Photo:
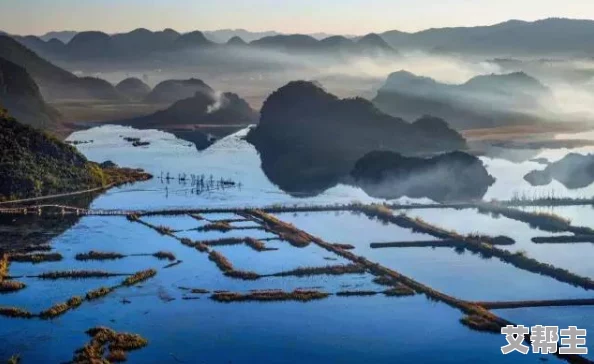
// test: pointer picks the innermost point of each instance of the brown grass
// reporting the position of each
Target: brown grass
(400, 290)
(4, 263)
(222, 226)
(35, 258)
(76, 274)
(139, 277)
(480, 323)
(101, 338)
(11, 286)
(385, 281)
(256, 244)
(245, 275)
(219, 259)
(334, 270)
(15, 312)
(164, 256)
(270, 296)
(95, 255)
(356, 293)
(344, 246)
(98, 293)
(61, 308)
(164, 230)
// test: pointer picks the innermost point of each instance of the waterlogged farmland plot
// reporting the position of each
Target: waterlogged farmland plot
(573, 257)
(462, 274)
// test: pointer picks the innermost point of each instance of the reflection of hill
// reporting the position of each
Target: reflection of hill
(309, 139)
(454, 176)
(573, 171)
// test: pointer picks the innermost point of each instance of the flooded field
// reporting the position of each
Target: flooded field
(245, 285)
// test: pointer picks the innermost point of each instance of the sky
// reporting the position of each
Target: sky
(287, 16)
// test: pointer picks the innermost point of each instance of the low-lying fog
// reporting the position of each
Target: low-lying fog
(254, 73)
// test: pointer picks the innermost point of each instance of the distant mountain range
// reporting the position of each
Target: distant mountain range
(514, 37)
(511, 38)
(217, 36)
(483, 101)
(140, 43)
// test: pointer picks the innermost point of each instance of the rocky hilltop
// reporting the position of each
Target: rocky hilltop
(20, 94)
(449, 177)
(483, 101)
(201, 118)
(170, 91)
(33, 164)
(309, 139)
(133, 89)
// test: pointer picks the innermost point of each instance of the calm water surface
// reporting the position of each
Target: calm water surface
(374, 329)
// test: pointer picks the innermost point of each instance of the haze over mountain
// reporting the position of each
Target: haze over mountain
(199, 114)
(54, 82)
(63, 36)
(514, 37)
(483, 101)
(20, 94)
(309, 139)
(511, 38)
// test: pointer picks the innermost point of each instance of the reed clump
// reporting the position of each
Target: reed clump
(245, 275)
(356, 293)
(164, 230)
(222, 226)
(98, 293)
(162, 255)
(219, 259)
(139, 277)
(385, 281)
(15, 312)
(97, 255)
(200, 246)
(256, 244)
(11, 286)
(284, 230)
(133, 217)
(4, 263)
(399, 290)
(35, 258)
(61, 308)
(103, 339)
(344, 246)
(76, 274)
(333, 270)
(270, 296)
(480, 323)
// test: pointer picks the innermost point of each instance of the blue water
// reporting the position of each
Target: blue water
(376, 329)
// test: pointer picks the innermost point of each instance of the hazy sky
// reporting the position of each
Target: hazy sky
(290, 16)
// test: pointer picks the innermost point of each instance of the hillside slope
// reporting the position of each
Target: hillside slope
(34, 164)
(20, 94)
